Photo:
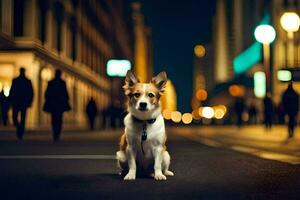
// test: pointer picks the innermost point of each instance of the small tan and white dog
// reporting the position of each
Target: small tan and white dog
(142, 146)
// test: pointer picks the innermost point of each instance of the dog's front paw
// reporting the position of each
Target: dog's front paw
(130, 176)
(168, 173)
(159, 176)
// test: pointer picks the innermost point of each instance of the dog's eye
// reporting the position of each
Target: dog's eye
(150, 95)
(137, 95)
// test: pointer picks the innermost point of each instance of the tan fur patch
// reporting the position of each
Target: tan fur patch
(123, 142)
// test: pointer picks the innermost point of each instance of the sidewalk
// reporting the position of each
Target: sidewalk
(254, 140)
(68, 134)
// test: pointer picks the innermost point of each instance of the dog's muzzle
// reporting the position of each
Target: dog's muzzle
(143, 106)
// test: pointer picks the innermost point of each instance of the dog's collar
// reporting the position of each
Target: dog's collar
(149, 121)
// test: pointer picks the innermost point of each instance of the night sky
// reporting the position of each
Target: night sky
(176, 27)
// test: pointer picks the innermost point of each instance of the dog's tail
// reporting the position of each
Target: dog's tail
(121, 156)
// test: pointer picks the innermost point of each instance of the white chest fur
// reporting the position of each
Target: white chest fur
(155, 134)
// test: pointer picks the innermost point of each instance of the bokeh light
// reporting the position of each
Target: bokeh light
(6, 90)
(208, 112)
(199, 51)
(167, 114)
(176, 116)
(201, 95)
(46, 74)
(237, 90)
(187, 118)
(218, 112)
(265, 34)
(290, 21)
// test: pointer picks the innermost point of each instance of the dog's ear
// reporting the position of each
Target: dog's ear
(130, 80)
(160, 81)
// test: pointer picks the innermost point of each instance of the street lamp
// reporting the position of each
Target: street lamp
(266, 34)
(290, 22)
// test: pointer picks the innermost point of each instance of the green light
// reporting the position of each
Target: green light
(252, 55)
(117, 68)
(247, 59)
(284, 75)
(259, 84)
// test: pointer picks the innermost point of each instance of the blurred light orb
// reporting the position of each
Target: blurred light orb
(167, 114)
(187, 118)
(284, 75)
(1, 86)
(245, 116)
(237, 90)
(46, 74)
(290, 21)
(223, 107)
(6, 90)
(259, 84)
(265, 34)
(219, 113)
(117, 68)
(199, 51)
(201, 95)
(208, 112)
(176, 116)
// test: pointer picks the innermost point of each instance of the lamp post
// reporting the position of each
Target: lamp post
(266, 34)
(290, 22)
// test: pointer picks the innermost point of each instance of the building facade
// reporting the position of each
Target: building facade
(283, 56)
(76, 36)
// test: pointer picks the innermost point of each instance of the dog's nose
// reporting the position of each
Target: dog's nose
(143, 104)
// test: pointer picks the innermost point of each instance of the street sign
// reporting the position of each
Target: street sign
(247, 59)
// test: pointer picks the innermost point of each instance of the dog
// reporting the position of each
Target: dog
(142, 146)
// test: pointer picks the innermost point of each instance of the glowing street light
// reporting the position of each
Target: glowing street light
(290, 22)
(266, 34)
(199, 51)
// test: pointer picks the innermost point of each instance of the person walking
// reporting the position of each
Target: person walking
(91, 111)
(239, 107)
(268, 111)
(21, 96)
(252, 112)
(56, 103)
(290, 100)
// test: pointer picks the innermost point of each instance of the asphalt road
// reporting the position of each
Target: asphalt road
(86, 170)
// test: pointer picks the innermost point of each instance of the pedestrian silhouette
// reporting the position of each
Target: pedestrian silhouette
(56, 103)
(290, 100)
(239, 106)
(280, 113)
(4, 107)
(21, 96)
(268, 111)
(252, 111)
(91, 111)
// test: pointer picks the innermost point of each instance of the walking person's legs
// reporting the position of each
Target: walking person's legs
(22, 122)
(292, 123)
(56, 125)
(4, 116)
(16, 122)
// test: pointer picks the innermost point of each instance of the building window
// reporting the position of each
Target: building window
(43, 8)
(58, 15)
(18, 17)
(73, 38)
